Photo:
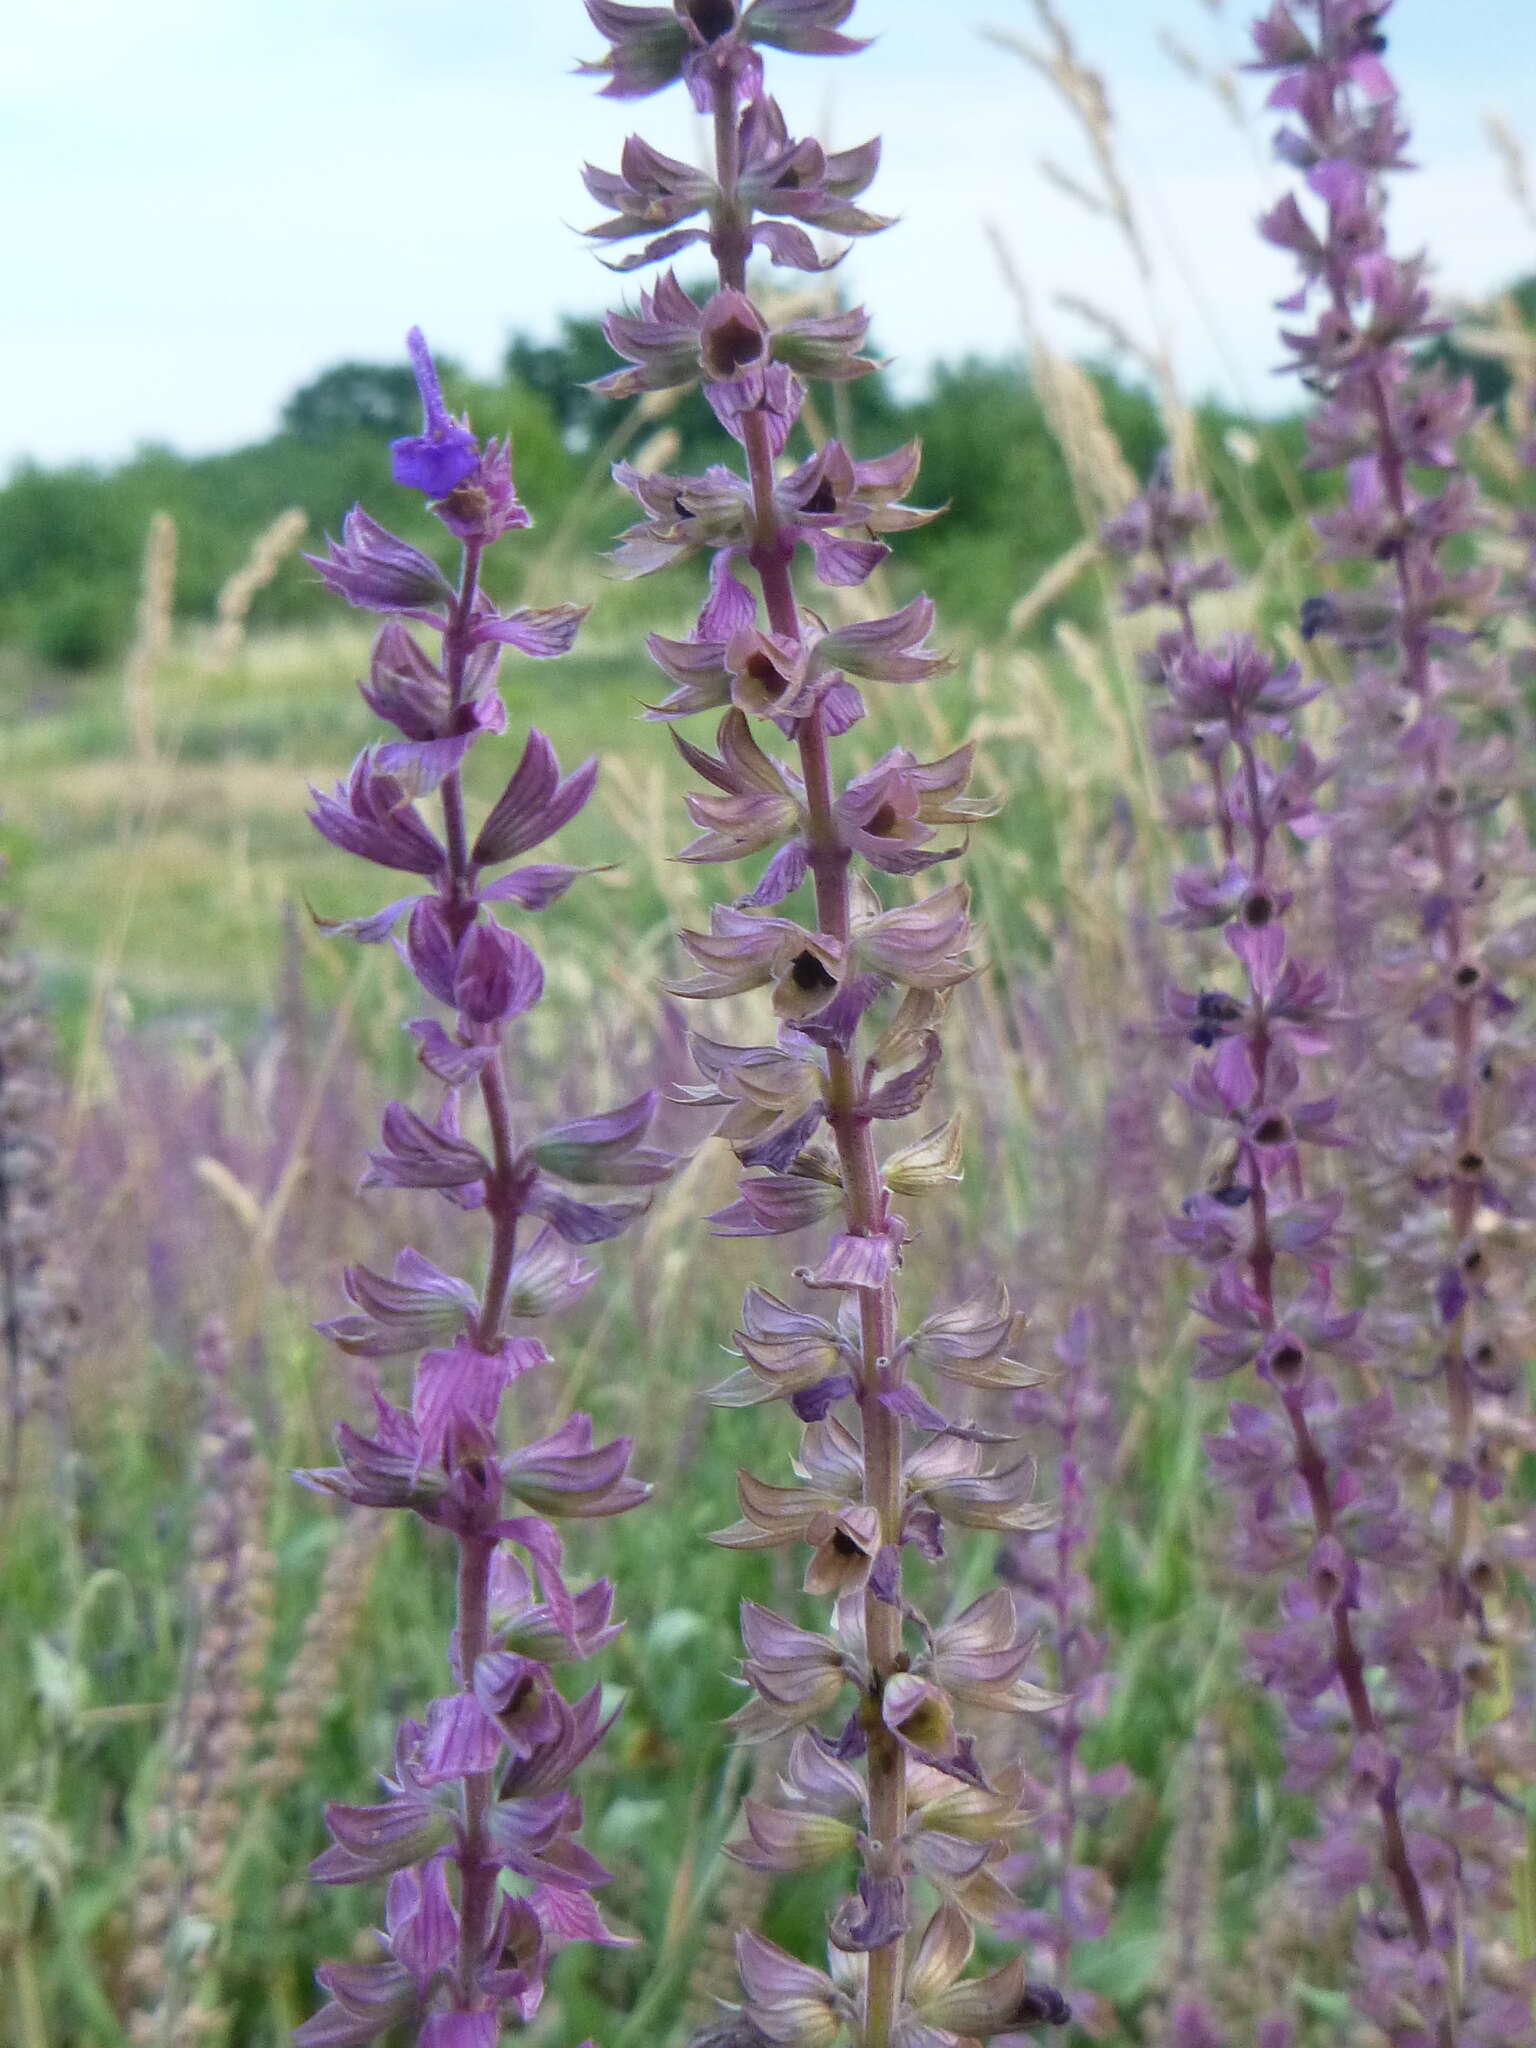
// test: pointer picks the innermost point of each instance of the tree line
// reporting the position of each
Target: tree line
(71, 538)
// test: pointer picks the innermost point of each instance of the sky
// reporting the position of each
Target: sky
(210, 201)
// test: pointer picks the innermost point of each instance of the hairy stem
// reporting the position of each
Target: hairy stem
(847, 1112)
(477, 1869)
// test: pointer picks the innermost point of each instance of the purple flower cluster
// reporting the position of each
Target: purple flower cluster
(878, 1763)
(481, 1785)
(1354, 1659)
(1426, 842)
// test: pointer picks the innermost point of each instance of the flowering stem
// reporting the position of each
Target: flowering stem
(1423, 850)
(1412, 555)
(456, 645)
(1173, 596)
(1461, 1203)
(1310, 1461)
(1216, 717)
(1462, 1198)
(1413, 572)
(493, 1080)
(477, 1869)
(847, 1115)
(460, 1772)
(498, 1110)
(758, 652)
(1313, 1469)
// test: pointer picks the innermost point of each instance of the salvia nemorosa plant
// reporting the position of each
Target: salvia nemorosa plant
(1317, 1469)
(481, 1787)
(878, 1763)
(1428, 843)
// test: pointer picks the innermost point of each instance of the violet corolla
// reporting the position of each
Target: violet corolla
(880, 1762)
(476, 1834)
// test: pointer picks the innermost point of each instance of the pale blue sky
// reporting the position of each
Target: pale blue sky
(209, 200)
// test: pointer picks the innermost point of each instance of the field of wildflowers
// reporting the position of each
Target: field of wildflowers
(1120, 1032)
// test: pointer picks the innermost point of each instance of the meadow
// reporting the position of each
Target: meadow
(198, 1654)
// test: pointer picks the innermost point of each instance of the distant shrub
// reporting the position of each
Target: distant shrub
(77, 628)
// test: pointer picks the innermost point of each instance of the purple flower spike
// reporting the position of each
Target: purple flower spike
(481, 1784)
(445, 451)
(1316, 1497)
(856, 992)
(1425, 841)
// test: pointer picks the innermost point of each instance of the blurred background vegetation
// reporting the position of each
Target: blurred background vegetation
(71, 540)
